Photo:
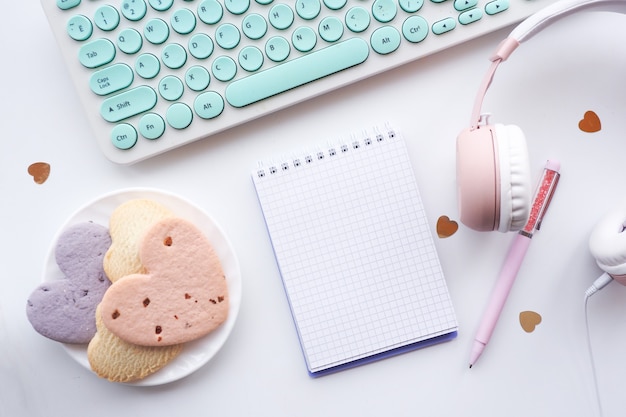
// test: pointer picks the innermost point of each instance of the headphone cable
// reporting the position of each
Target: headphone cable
(597, 285)
(593, 366)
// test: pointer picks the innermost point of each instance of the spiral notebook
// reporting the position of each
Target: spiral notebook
(355, 251)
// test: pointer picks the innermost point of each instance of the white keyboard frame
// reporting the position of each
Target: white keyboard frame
(200, 128)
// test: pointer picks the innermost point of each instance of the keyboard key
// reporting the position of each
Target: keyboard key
(415, 29)
(183, 21)
(179, 115)
(277, 49)
(385, 40)
(200, 46)
(254, 26)
(67, 4)
(171, 88)
(124, 136)
(462, 5)
(304, 39)
(227, 36)
(384, 10)
(281, 16)
(111, 79)
(107, 18)
(197, 78)
(209, 105)
(250, 58)
(308, 9)
(411, 6)
(134, 9)
(174, 56)
(128, 103)
(237, 6)
(210, 12)
(470, 16)
(97, 53)
(161, 5)
(335, 4)
(156, 31)
(357, 19)
(496, 6)
(331, 29)
(129, 41)
(147, 66)
(151, 126)
(444, 25)
(224, 68)
(79, 28)
(297, 72)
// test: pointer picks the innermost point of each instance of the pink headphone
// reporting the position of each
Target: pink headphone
(493, 178)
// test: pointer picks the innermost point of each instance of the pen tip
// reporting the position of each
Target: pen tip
(470, 366)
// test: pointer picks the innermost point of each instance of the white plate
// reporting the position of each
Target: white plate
(197, 353)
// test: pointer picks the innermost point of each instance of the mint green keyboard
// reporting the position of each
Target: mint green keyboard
(153, 75)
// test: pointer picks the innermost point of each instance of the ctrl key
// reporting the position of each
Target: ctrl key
(124, 136)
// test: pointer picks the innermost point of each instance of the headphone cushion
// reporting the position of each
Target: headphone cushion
(607, 242)
(515, 184)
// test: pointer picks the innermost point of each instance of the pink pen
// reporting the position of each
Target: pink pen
(543, 196)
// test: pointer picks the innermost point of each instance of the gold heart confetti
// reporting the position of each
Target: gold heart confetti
(590, 123)
(446, 227)
(529, 320)
(39, 171)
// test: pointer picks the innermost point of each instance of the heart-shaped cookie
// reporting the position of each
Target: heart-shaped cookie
(39, 171)
(590, 122)
(183, 295)
(529, 320)
(446, 227)
(116, 360)
(128, 224)
(64, 310)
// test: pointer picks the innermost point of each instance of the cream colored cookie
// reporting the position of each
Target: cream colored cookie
(127, 227)
(116, 360)
(182, 296)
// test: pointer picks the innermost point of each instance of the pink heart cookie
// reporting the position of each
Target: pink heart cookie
(183, 295)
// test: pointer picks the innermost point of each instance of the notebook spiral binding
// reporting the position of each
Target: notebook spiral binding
(331, 151)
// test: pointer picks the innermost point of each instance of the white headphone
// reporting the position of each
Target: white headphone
(607, 244)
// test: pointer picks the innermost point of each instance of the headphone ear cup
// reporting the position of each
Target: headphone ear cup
(607, 244)
(515, 196)
(493, 180)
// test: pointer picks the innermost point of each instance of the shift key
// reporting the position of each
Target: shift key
(128, 103)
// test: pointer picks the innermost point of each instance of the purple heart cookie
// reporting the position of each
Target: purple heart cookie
(64, 310)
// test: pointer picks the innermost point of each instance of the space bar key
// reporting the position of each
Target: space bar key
(297, 72)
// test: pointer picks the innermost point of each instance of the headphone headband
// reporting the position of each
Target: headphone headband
(550, 14)
(529, 28)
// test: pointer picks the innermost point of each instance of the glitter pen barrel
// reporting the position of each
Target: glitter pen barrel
(515, 256)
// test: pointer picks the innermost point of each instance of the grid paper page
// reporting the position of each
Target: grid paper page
(354, 250)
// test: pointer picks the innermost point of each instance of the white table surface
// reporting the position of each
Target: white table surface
(574, 66)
